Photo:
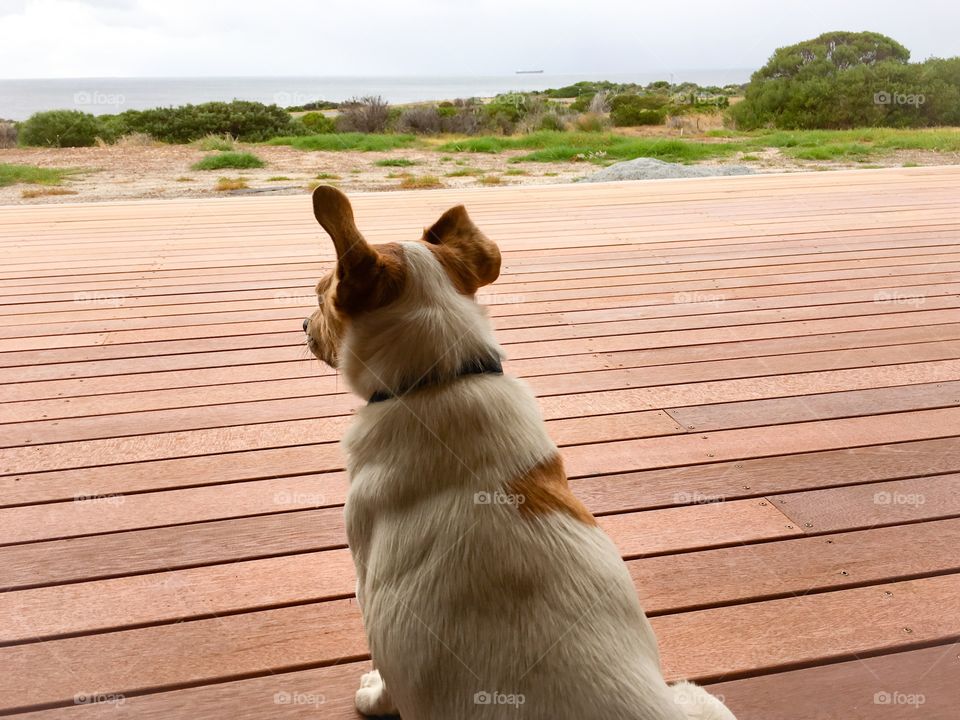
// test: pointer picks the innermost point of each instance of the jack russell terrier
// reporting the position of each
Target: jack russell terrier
(486, 587)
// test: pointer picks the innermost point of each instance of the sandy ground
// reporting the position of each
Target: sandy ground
(127, 172)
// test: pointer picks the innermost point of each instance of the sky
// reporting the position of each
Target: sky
(195, 38)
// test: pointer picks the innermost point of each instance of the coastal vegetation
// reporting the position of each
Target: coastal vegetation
(843, 80)
(11, 174)
(220, 161)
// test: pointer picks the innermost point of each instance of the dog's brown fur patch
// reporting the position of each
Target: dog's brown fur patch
(373, 282)
(544, 489)
(469, 257)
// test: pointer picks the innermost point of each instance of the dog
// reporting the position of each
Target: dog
(486, 587)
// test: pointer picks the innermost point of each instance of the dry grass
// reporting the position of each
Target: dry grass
(47, 191)
(490, 180)
(225, 184)
(413, 182)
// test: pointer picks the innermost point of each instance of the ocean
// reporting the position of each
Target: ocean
(21, 98)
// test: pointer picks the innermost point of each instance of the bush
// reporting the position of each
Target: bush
(240, 160)
(316, 123)
(243, 120)
(8, 134)
(216, 142)
(845, 80)
(590, 122)
(631, 110)
(365, 115)
(463, 118)
(423, 120)
(60, 128)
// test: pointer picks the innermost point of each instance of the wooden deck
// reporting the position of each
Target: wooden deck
(755, 383)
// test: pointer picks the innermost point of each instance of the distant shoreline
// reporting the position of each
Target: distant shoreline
(103, 96)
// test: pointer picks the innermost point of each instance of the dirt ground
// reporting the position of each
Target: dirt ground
(128, 172)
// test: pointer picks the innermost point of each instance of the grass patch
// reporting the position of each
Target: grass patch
(395, 162)
(184, 178)
(838, 151)
(413, 182)
(557, 146)
(490, 180)
(465, 172)
(47, 191)
(278, 178)
(327, 176)
(516, 171)
(750, 158)
(12, 174)
(362, 142)
(216, 142)
(224, 184)
(233, 160)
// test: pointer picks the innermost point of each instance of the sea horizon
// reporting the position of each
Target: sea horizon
(20, 98)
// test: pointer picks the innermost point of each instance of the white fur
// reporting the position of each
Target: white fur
(465, 601)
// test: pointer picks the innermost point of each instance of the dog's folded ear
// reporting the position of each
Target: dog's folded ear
(469, 257)
(366, 278)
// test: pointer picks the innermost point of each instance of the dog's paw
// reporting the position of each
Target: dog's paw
(372, 698)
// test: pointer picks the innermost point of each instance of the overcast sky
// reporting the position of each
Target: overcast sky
(128, 38)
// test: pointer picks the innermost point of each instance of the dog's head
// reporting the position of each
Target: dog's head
(408, 295)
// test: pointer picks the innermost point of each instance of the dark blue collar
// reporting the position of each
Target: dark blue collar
(479, 366)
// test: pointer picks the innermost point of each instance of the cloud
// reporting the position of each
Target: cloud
(80, 38)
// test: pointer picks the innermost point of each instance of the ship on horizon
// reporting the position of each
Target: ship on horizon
(529, 72)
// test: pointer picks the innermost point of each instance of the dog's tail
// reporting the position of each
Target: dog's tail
(698, 704)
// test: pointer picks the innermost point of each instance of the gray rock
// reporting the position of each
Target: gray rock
(653, 169)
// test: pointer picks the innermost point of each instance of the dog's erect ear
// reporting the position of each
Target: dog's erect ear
(469, 257)
(367, 278)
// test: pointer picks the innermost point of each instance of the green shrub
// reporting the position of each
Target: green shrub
(846, 80)
(582, 103)
(240, 160)
(243, 120)
(631, 110)
(60, 128)
(317, 123)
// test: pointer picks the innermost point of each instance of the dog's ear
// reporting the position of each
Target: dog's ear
(469, 257)
(367, 278)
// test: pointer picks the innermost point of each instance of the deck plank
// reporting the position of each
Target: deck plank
(740, 373)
